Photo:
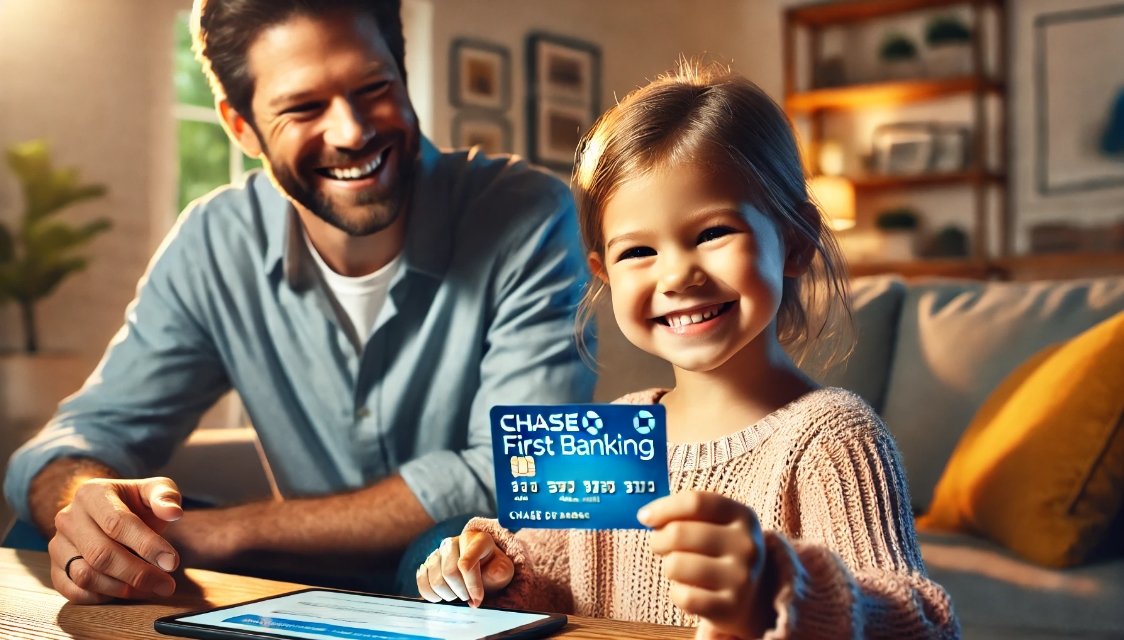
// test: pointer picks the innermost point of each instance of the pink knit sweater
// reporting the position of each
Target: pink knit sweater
(824, 477)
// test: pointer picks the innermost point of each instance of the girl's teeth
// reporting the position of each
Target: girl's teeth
(692, 318)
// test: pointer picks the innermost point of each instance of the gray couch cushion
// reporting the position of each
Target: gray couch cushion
(998, 595)
(877, 301)
(958, 340)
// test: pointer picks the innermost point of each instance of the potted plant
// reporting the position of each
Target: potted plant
(949, 242)
(899, 56)
(898, 230)
(948, 40)
(37, 253)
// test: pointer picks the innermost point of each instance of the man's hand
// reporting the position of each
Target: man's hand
(713, 553)
(465, 568)
(113, 528)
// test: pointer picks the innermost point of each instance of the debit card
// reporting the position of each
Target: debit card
(578, 466)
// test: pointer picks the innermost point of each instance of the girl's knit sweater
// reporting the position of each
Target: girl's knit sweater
(823, 475)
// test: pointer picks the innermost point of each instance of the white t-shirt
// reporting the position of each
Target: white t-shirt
(362, 297)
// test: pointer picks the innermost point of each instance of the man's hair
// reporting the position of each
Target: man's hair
(223, 31)
(710, 116)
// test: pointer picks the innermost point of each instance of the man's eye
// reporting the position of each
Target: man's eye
(635, 252)
(714, 233)
(303, 108)
(375, 88)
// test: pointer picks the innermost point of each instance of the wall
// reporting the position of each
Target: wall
(638, 39)
(88, 77)
(1099, 206)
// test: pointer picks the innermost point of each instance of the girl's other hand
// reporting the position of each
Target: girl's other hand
(465, 568)
(714, 555)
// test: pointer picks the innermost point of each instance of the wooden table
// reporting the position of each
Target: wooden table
(31, 608)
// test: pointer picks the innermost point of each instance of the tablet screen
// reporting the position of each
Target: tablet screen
(320, 614)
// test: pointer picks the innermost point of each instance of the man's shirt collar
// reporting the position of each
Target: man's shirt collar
(428, 226)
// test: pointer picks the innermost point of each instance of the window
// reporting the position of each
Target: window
(206, 158)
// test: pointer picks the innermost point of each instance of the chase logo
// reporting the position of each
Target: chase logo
(591, 422)
(644, 422)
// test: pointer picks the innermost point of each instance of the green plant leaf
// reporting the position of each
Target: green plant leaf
(7, 244)
(34, 280)
(53, 275)
(7, 280)
(51, 238)
(47, 190)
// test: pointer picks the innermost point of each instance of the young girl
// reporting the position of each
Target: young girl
(789, 514)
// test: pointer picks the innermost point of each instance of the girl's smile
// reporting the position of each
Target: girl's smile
(695, 321)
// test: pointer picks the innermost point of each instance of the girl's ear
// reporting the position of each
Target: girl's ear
(799, 258)
(597, 266)
(240, 130)
(800, 250)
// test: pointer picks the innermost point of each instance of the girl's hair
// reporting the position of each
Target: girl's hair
(713, 116)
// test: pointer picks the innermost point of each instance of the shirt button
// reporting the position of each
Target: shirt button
(362, 412)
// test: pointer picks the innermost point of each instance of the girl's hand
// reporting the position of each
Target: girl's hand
(713, 553)
(465, 567)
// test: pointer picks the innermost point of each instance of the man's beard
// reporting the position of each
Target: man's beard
(381, 209)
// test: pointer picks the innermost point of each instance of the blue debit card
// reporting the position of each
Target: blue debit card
(578, 466)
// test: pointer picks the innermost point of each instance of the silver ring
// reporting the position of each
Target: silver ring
(66, 567)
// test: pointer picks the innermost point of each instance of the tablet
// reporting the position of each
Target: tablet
(327, 614)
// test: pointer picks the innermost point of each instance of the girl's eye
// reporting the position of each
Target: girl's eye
(714, 233)
(635, 252)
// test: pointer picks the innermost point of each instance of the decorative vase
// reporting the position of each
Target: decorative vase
(898, 246)
(31, 387)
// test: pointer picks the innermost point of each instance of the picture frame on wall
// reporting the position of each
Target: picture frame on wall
(563, 96)
(480, 74)
(489, 131)
(1075, 88)
(557, 131)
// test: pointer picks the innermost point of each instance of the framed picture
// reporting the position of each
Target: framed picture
(1075, 89)
(480, 75)
(952, 144)
(556, 132)
(564, 97)
(490, 132)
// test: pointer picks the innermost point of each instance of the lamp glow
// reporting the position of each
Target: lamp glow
(836, 196)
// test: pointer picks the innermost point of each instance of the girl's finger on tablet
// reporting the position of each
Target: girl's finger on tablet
(450, 569)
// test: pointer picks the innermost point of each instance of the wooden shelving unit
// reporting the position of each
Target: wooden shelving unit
(988, 139)
(879, 183)
(887, 94)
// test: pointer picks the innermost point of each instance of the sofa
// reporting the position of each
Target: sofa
(928, 355)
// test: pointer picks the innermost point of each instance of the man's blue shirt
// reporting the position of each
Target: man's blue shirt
(480, 313)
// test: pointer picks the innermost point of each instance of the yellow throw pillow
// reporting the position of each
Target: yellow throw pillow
(1040, 469)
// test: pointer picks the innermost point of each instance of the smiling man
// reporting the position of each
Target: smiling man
(369, 296)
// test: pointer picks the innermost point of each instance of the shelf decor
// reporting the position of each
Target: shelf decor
(969, 153)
